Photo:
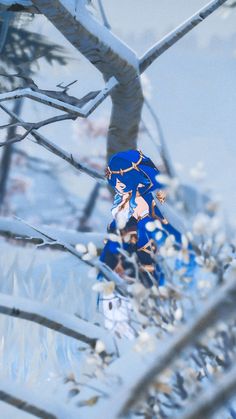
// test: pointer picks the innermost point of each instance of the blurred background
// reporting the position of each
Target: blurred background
(190, 87)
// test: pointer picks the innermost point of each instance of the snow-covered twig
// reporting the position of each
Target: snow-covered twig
(50, 146)
(212, 398)
(109, 55)
(148, 132)
(136, 381)
(163, 150)
(16, 139)
(103, 14)
(53, 319)
(100, 266)
(60, 100)
(41, 140)
(11, 124)
(170, 39)
(15, 229)
(27, 400)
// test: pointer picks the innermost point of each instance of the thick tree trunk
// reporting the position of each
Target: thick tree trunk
(112, 58)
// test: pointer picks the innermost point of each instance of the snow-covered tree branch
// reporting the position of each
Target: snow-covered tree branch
(136, 382)
(153, 53)
(47, 144)
(31, 402)
(62, 323)
(62, 101)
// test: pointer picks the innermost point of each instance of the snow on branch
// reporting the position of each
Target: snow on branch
(18, 6)
(53, 239)
(27, 400)
(134, 380)
(15, 229)
(213, 398)
(103, 15)
(50, 146)
(109, 55)
(61, 101)
(170, 39)
(164, 152)
(53, 319)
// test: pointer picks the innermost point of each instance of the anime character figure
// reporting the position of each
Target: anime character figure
(134, 177)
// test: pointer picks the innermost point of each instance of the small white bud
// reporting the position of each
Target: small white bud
(81, 248)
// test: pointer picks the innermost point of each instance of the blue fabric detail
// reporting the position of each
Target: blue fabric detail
(110, 253)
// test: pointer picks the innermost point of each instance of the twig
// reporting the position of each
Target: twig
(103, 14)
(102, 267)
(171, 38)
(62, 101)
(41, 140)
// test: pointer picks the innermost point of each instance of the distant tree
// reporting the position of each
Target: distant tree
(19, 51)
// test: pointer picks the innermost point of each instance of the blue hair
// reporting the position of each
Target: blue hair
(144, 174)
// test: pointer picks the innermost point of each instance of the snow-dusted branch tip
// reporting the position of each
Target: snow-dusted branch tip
(213, 398)
(61, 100)
(15, 229)
(66, 324)
(18, 6)
(53, 148)
(135, 382)
(100, 266)
(27, 400)
(170, 39)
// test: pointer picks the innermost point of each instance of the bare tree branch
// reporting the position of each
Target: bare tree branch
(231, 5)
(11, 124)
(102, 267)
(16, 139)
(149, 134)
(13, 229)
(13, 140)
(26, 400)
(134, 383)
(53, 319)
(214, 397)
(48, 145)
(60, 100)
(154, 52)
(103, 14)
(18, 6)
(164, 150)
(112, 57)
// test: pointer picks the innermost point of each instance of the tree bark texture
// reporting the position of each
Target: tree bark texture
(127, 97)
